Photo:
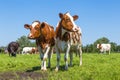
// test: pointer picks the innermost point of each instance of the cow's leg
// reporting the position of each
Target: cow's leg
(66, 57)
(14, 54)
(71, 58)
(49, 56)
(41, 57)
(51, 52)
(58, 58)
(45, 57)
(77, 53)
(80, 53)
(109, 52)
(12, 51)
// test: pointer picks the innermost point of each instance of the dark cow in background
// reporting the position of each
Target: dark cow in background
(12, 48)
(44, 35)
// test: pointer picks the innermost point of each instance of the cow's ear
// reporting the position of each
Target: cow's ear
(43, 25)
(75, 17)
(27, 26)
(61, 15)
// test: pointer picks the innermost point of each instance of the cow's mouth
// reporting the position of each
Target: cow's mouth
(31, 38)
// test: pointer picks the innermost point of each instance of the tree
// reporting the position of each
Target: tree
(24, 41)
(102, 40)
(113, 46)
(118, 48)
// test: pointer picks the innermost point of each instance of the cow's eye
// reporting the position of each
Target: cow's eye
(36, 28)
(68, 20)
(30, 27)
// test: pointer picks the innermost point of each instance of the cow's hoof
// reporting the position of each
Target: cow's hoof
(56, 70)
(45, 70)
(42, 69)
(66, 68)
(80, 64)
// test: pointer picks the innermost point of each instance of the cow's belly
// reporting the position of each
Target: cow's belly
(61, 45)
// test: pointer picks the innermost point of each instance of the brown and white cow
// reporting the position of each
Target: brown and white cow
(44, 35)
(104, 47)
(30, 50)
(67, 34)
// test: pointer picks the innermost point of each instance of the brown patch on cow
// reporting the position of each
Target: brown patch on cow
(34, 30)
(66, 36)
(65, 22)
(100, 47)
(75, 36)
(47, 36)
(43, 33)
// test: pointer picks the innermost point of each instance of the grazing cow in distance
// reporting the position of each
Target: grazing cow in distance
(12, 48)
(104, 47)
(27, 50)
(68, 34)
(44, 35)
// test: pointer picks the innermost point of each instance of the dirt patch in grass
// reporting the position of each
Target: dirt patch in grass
(23, 76)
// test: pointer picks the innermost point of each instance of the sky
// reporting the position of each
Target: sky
(97, 18)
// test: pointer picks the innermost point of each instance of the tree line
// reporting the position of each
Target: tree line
(92, 48)
(89, 48)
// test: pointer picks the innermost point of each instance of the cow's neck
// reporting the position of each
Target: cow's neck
(40, 41)
(62, 33)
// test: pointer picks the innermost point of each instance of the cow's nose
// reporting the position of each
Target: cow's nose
(75, 29)
(29, 36)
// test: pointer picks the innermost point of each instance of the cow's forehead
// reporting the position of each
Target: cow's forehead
(68, 14)
(71, 18)
(34, 24)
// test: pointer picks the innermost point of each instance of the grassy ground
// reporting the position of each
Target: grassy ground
(27, 67)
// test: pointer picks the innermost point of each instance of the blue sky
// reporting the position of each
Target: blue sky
(97, 18)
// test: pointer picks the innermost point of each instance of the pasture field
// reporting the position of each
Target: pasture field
(27, 67)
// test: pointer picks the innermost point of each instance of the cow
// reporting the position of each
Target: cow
(27, 50)
(44, 35)
(34, 51)
(12, 48)
(68, 34)
(104, 47)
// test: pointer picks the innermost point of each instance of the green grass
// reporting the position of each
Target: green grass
(95, 66)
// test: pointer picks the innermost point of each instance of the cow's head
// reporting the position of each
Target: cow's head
(99, 46)
(67, 21)
(34, 29)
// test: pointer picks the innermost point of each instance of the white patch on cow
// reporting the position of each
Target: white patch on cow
(71, 18)
(61, 44)
(34, 24)
(27, 50)
(104, 47)
(30, 35)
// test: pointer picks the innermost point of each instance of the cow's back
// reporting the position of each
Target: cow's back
(13, 46)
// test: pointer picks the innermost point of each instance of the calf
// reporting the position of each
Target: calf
(44, 35)
(67, 34)
(12, 48)
(104, 47)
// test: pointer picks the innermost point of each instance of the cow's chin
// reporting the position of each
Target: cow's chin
(31, 38)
